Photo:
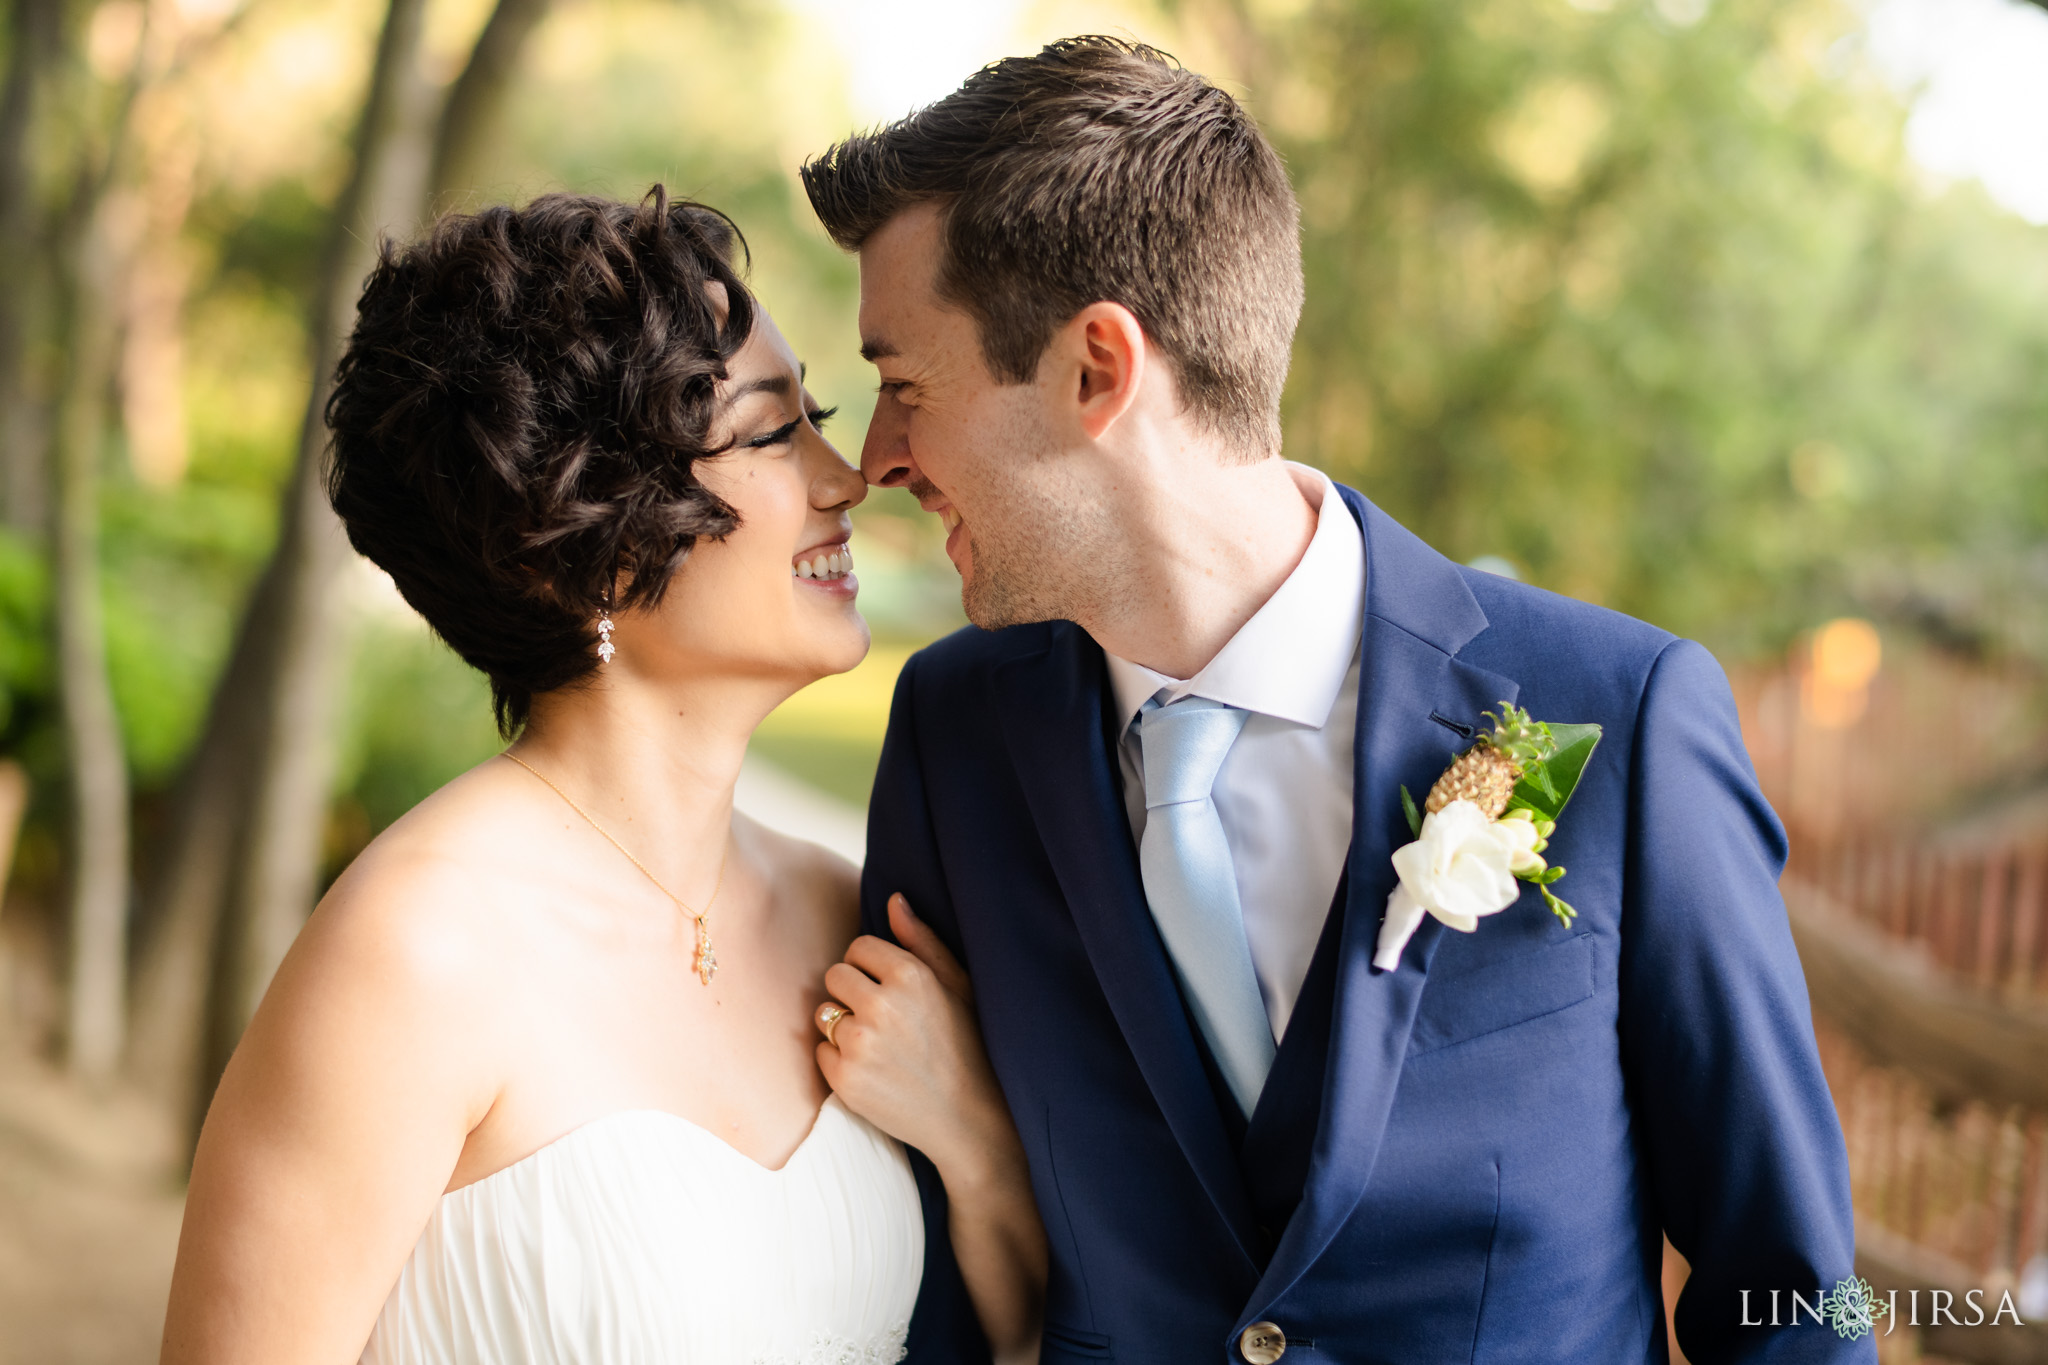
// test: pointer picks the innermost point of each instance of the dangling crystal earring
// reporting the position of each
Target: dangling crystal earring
(605, 648)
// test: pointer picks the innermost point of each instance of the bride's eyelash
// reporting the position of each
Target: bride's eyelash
(781, 434)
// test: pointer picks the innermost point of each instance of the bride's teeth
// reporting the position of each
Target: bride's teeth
(833, 564)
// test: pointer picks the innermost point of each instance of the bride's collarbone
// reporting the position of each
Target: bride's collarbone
(601, 1019)
(556, 993)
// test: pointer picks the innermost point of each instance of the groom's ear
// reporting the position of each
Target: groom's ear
(1104, 354)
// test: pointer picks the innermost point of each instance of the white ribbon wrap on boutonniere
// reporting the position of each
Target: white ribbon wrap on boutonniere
(1488, 820)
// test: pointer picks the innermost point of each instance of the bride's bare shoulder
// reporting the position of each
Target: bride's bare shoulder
(410, 965)
(454, 870)
(394, 1020)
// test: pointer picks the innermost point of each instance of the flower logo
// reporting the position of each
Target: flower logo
(1852, 1308)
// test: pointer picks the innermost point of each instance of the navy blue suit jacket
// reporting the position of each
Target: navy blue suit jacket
(1510, 1122)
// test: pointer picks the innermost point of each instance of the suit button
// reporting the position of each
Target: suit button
(1263, 1343)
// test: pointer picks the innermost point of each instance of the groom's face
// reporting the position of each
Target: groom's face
(992, 460)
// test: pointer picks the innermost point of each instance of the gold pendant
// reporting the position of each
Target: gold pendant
(707, 960)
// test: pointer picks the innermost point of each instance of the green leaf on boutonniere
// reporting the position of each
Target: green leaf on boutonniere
(1547, 786)
(1414, 815)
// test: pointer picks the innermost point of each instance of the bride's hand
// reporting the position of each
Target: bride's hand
(908, 1055)
(908, 1058)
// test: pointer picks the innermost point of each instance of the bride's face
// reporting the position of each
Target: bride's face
(775, 599)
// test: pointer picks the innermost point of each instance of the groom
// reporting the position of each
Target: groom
(1151, 805)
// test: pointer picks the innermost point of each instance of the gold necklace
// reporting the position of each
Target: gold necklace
(706, 959)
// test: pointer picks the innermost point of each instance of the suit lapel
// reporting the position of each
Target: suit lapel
(1052, 709)
(1418, 615)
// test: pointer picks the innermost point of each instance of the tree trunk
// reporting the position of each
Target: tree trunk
(168, 1030)
(244, 856)
(476, 102)
(276, 873)
(91, 246)
(284, 785)
(34, 35)
(98, 904)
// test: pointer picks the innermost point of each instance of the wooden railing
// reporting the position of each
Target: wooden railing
(1921, 913)
(1928, 969)
(1979, 914)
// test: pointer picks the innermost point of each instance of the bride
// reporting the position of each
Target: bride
(542, 1080)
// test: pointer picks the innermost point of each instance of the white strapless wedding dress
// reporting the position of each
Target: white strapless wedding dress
(641, 1239)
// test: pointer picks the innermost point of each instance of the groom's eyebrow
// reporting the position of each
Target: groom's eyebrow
(872, 349)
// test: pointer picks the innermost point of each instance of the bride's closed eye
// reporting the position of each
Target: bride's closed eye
(782, 434)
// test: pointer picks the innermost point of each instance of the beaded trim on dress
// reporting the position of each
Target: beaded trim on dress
(886, 1349)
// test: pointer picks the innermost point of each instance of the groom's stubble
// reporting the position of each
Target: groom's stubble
(1041, 546)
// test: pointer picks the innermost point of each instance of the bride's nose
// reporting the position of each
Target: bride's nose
(835, 484)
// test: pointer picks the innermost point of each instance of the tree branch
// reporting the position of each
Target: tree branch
(477, 99)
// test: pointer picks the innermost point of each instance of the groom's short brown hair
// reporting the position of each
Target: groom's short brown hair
(1097, 170)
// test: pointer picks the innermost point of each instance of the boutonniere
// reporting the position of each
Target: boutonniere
(1484, 825)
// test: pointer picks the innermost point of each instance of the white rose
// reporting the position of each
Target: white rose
(1459, 869)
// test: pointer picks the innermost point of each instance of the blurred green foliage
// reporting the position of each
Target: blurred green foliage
(24, 634)
(1655, 308)
(417, 716)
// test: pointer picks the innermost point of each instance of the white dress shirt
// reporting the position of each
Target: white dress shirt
(1284, 792)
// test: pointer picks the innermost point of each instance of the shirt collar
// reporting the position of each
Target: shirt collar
(1291, 658)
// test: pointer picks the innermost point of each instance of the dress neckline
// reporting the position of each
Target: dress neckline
(588, 1127)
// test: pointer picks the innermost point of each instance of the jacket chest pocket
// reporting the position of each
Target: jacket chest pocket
(1504, 993)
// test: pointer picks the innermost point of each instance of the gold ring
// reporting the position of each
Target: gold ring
(829, 1015)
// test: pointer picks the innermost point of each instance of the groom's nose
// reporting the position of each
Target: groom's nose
(885, 459)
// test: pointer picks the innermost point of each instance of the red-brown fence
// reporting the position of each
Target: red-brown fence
(1880, 789)
(1980, 914)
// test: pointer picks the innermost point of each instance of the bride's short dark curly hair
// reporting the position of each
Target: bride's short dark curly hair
(517, 418)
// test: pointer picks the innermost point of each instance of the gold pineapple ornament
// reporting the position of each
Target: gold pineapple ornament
(1486, 773)
(1482, 775)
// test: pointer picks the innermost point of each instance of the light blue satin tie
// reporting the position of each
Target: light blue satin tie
(1191, 885)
